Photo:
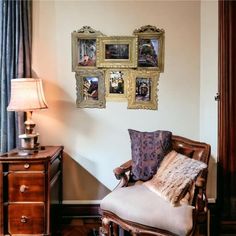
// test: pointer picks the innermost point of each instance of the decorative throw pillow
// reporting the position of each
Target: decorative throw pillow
(148, 150)
(175, 177)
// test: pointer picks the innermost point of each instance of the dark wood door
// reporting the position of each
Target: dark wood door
(227, 117)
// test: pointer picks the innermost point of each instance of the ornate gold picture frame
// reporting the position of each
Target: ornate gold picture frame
(84, 48)
(143, 89)
(90, 89)
(150, 47)
(117, 51)
(118, 68)
(116, 81)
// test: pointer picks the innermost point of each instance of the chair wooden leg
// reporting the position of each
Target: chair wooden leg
(115, 229)
(106, 227)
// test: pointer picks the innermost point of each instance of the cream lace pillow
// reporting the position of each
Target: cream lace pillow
(175, 177)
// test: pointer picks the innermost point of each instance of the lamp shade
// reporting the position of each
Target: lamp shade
(26, 95)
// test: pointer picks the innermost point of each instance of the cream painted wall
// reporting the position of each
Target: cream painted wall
(209, 84)
(97, 139)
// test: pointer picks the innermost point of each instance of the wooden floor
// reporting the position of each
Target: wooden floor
(85, 227)
(81, 227)
(90, 227)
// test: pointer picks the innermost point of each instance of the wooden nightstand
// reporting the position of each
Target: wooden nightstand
(31, 192)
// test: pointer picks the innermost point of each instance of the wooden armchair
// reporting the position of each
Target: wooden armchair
(140, 211)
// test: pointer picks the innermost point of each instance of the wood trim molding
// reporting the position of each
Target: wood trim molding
(81, 211)
(226, 193)
(223, 109)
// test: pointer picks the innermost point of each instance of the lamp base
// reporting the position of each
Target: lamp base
(28, 144)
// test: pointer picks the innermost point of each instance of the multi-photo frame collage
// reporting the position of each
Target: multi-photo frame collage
(118, 68)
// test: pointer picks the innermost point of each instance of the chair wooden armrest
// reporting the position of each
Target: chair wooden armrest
(122, 173)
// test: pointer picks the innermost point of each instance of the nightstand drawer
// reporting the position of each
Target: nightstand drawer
(26, 187)
(26, 219)
(26, 166)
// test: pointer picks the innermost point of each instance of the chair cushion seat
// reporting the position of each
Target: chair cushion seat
(140, 205)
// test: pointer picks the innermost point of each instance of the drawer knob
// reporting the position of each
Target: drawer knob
(23, 188)
(26, 165)
(23, 219)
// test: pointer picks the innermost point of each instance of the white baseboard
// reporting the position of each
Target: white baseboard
(81, 202)
(211, 200)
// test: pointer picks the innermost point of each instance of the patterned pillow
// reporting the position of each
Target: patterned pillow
(148, 150)
(175, 177)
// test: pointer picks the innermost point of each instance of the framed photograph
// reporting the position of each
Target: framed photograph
(84, 48)
(143, 89)
(116, 83)
(150, 47)
(117, 51)
(90, 89)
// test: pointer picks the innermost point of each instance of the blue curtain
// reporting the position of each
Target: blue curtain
(15, 62)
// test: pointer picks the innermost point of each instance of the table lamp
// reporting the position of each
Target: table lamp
(27, 95)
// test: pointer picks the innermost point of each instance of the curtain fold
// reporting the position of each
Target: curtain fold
(15, 62)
